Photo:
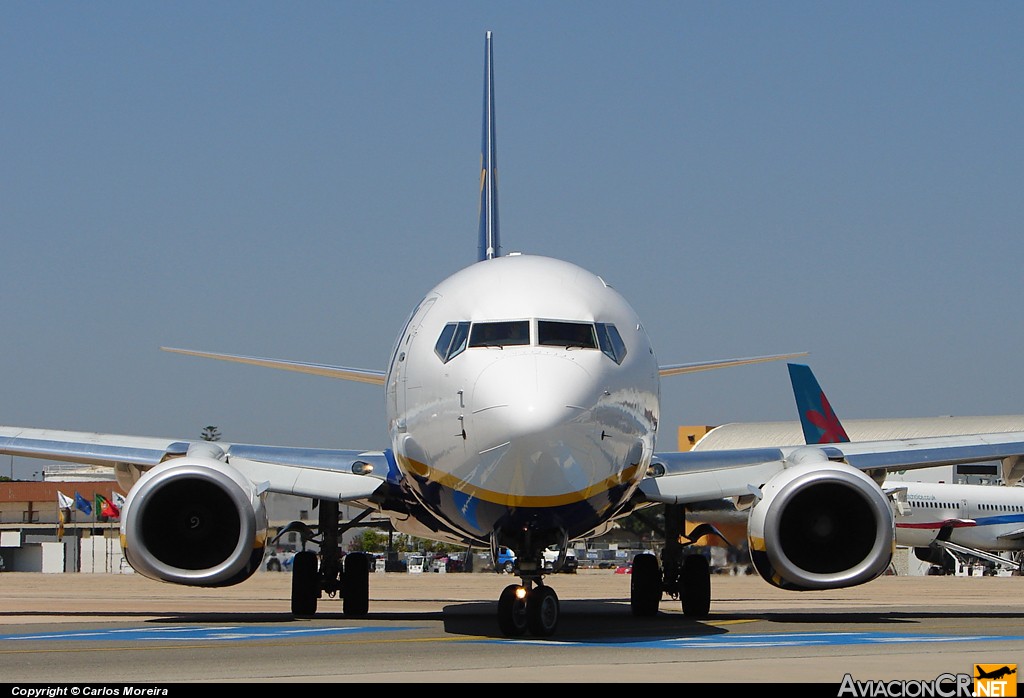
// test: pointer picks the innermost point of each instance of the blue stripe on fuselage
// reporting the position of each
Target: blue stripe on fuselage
(478, 517)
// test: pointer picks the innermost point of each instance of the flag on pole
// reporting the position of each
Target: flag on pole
(64, 501)
(104, 507)
(82, 504)
(118, 501)
(64, 506)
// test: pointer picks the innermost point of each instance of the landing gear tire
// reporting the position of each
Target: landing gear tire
(512, 616)
(305, 584)
(356, 585)
(645, 586)
(695, 587)
(542, 611)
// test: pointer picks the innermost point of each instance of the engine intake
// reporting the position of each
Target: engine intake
(821, 525)
(194, 521)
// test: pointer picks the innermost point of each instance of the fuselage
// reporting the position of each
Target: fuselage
(522, 402)
(981, 516)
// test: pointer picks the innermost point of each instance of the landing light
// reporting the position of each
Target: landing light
(361, 467)
(656, 470)
(520, 593)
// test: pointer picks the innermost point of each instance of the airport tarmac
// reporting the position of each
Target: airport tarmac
(431, 628)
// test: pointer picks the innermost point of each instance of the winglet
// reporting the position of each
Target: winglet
(490, 244)
(819, 421)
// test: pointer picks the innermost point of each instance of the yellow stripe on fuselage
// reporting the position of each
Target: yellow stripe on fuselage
(424, 471)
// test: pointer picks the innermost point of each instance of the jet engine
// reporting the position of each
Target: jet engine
(194, 521)
(821, 525)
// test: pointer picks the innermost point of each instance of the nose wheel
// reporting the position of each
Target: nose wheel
(523, 609)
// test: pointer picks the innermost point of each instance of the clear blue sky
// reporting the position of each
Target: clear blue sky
(288, 179)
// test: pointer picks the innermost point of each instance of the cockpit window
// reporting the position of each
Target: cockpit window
(610, 341)
(566, 334)
(500, 334)
(452, 341)
(455, 337)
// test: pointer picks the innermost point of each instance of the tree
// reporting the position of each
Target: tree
(375, 541)
(211, 433)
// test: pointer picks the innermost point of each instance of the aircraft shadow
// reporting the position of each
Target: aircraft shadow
(588, 620)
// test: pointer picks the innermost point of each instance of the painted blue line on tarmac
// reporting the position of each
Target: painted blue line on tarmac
(201, 633)
(749, 641)
(236, 633)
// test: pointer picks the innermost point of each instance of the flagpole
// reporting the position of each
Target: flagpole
(108, 546)
(118, 507)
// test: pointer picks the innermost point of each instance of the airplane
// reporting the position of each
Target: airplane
(997, 673)
(942, 522)
(522, 405)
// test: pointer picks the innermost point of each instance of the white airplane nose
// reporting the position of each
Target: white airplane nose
(528, 396)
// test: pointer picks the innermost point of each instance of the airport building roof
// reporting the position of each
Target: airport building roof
(753, 434)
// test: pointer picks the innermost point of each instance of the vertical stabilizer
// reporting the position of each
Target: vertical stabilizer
(490, 245)
(820, 423)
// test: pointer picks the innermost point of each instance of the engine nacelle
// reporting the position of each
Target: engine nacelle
(194, 521)
(821, 525)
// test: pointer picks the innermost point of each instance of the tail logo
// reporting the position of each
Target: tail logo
(827, 421)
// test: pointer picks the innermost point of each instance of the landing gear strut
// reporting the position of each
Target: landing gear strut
(312, 576)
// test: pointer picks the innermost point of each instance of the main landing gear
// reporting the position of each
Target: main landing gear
(686, 577)
(526, 608)
(690, 582)
(313, 575)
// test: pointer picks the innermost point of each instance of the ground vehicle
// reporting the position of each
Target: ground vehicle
(570, 564)
(279, 561)
(460, 562)
(506, 561)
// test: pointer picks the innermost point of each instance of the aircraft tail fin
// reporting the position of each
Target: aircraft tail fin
(819, 422)
(490, 244)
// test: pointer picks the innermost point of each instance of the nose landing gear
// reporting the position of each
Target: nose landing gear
(526, 608)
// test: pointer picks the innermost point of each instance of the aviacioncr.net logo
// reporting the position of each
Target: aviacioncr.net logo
(943, 686)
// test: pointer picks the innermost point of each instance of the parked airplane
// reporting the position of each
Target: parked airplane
(522, 404)
(943, 522)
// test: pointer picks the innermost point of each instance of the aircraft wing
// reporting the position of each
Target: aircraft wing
(1013, 535)
(341, 475)
(944, 523)
(676, 369)
(360, 375)
(689, 476)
